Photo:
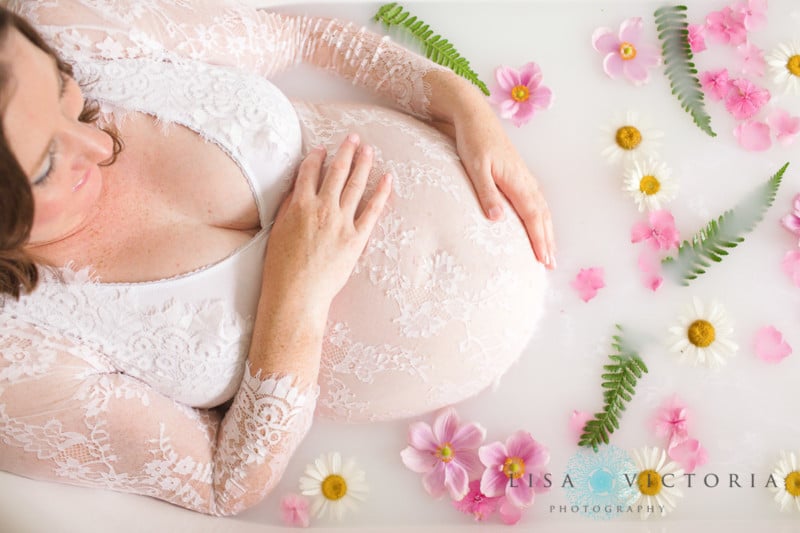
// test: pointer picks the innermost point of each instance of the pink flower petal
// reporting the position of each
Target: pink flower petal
(630, 30)
(792, 223)
(752, 59)
(754, 14)
(509, 513)
(418, 461)
(689, 454)
(542, 98)
(468, 436)
(492, 454)
(613, 65)
(791, 266)
(650, 267)
(715, 83)
(640, 231)
(470, 461)
(476, 503)
(745, 99)
(456, 480)
(522, 444)
(445, 426)
(672, 420)
(696, 37)
(521, 494)
(588, 281)
(494, 482)
(726, 26)
(636, 71)
(507, 78)
(753, 136)
(576, 423)
(524, 113)
(530, 75)
(420, 436)
(294, 510)
(649, 56)
(786, 126)
(770, 345)
(605, 41)
(433, 481)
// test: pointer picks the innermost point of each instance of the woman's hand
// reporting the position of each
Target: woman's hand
(316, 238)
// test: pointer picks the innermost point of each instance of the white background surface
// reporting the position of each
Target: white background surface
(744, 414)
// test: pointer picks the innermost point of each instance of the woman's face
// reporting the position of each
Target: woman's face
(59, 154)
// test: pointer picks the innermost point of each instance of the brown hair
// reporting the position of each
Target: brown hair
(18, 271)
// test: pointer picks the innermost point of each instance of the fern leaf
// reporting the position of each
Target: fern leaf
(706, 247)
(673, 33)
(435, 48)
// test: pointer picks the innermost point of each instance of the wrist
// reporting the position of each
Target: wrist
(451, 96)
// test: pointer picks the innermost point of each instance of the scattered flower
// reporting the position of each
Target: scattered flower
(294, 510)
(333, 486)
(697, 37)
(588, 281)
(787, 476)
(784, 62)
(785, 126)
(654, 494)
(631, 136)
(519, 93)
(650, 266)
(513, 469)
(754, 13)
(791, 266)
(659, 231)
(672, 421)
(688, 454)
(745, 99)
(771, 346)
(792, 220)
(446, 453)
(703, 335)
(726, 26)
(753, 136)
(576, 423)
(476, 503)
(715, 83)
(752, 57)
(624, 54)
(650, 183)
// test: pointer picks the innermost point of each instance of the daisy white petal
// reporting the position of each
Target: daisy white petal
(787, 478)
(335, 486)
(628, 136)
(784, 63)
(703, 335)
(650, 183)
(655, 496)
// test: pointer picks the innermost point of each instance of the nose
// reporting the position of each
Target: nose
(90, 143)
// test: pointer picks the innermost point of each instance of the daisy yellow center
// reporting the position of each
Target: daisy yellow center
(520, 93)
(628, 137)
(649, 482)
(702, 333)
(445, 453)
(514, 467)
(793, 483)
(649, 185)
(334, 487)
(627, 51)
(793, 65)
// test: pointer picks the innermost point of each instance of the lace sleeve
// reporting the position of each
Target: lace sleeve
(65, 419)
(232, 35)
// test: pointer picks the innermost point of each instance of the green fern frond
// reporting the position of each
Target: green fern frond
(438, 50)
(673, 32)
(619, 384)
(712, 242)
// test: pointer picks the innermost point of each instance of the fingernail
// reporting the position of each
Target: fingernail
(319, 148)
(366, 149)
(353, 138)
(496, 212)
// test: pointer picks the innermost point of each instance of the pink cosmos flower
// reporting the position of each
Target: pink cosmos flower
(659, 231)
(791, 266)
(476, 503)
(513, 469)
(744, 99)
(697, 37)
(792, 220)
(785, 126)
(294, 510)
(519, 93)
(576, 423)
(509, 513)
(445, 453)
(624, 54)
(588, 282)
(689, 454)
(753, 136)
(672, 421)
(752, 59)
(726, 26)
(715, 83)
(754, 13)
(770, 345)
(650, 266)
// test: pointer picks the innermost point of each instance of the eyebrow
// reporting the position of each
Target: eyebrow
(49, 146)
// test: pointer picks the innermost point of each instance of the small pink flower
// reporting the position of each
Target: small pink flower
(786, 127)
(509, 513)
(294, 510)
(752, 59)
(715, 83)
(697, 37)
(588, 282)
(659, 231)
(672, 421)
(650, 266)
(753, 136)
(476, 503)
(689, 454)
(624, 54)
(446, 453)
(771, 346)
(726, 26)
(754, 13)
(791, 266)
(514, 469)
(792, 220)
(576, 423)
(744, 99)
(519, 93)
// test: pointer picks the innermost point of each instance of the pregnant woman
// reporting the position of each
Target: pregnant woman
(192, 266)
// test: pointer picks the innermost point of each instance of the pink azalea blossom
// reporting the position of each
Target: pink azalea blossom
(445, 453)
(771, 346)
(715, 83)
(509, 513)
(726, 26)
(791, 266)
(650, 266)
(672, 421)
(294, 510)
(785, 126)
(754, 13)
(476, 503)
(744, 99)
(697, 37)
(752, 59)
(624, 53)
(514, 469)
(576, 423)
(519, 93)
(689, 454)
(659, 231)
(792, 220)
(588, 282)
(753, 136)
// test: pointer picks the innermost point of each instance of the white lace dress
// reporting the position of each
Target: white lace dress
(114, 384)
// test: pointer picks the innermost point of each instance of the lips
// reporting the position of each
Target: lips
(82, 181)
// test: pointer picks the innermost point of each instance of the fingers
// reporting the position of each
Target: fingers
(307, 182)
(339, 169)
(354, 188)
(366, 221)
(488, 195)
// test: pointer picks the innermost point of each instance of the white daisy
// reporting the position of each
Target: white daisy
(703, 335)
(784, 62)
(629, 136)
(650, 183)
(657, 482)
(787, 476)
(333, 486)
